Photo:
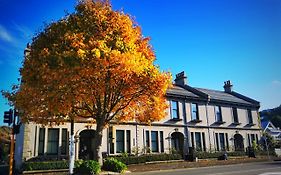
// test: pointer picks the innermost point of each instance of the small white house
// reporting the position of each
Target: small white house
(273, 131)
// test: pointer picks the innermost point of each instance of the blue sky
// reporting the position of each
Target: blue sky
(212, 41)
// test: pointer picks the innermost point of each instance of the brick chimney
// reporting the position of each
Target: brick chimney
(27, 50)
(181, 79)
(227, 86)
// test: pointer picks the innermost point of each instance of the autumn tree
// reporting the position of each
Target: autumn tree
(92, 64)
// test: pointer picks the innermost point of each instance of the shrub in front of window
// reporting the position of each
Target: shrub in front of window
(89, 167)
(114, 165)
(148, 158)
(48, 165)
(30, 166)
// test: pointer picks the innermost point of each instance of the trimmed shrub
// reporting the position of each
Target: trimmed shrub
(49, 165)
(208, 155)
(89, 167)
(30, 166)
(114, 165)
(148, 158)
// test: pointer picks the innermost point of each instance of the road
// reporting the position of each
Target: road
(261, 168)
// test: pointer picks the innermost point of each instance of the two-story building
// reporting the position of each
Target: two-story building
(207, 120)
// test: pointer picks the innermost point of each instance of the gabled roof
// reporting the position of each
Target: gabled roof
(268, 125)
(223, 96)
(202, 94)
(264, 124)
(180, 91)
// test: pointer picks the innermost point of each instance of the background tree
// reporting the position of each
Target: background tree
(273, 115)
(93, 64)
(5, 140)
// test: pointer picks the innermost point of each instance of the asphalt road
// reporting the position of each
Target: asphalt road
(261, 168)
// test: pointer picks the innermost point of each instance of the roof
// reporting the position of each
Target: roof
(223, 96)
(264, 123)
(203, 94)
(177, 90)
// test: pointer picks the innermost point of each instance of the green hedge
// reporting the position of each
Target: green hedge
(89, 167)
(207, 155)
(49, 165)
(30, 166)
(112, 164)
(147, 158)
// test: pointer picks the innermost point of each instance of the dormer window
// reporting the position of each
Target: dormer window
(175, 109)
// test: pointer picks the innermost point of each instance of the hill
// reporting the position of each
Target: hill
(273, 115)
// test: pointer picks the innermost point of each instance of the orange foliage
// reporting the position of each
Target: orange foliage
(93, 64)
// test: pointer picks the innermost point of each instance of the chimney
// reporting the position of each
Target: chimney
(27, 50)
(227, 86)
(181, 79)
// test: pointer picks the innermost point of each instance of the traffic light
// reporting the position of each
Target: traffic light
(8, 116)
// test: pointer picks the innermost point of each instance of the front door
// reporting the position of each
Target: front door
(177, 141)
(86, 144)
(238, 142)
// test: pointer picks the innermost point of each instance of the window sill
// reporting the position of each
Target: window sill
(196, 121)
(176, 119)
(236, 123)
(219, 122)
(251, 124)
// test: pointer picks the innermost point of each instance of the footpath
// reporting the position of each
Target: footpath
(168, 165)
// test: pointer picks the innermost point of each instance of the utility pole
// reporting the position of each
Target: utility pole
(10, 118)
(71, 147)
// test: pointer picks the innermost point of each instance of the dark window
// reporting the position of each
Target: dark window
(128, 138)
(217, 142)
(198, 141)
(64, 139)
(235, 115)
(249, 140)
(111, 139)
(227, 144)
(253, 138)
(194, 111)
(53, 141)
(192, 139)
(175, 110)
(147, 139)
(218, 113)
(41, 141)
(204, 143)
(222, 142)
(161, 141)
(154, 141)
(250, 117)
(120, 146)
(257, 139)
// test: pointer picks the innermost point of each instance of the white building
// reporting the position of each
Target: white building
(208, 120)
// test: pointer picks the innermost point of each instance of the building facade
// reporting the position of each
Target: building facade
(207, 120)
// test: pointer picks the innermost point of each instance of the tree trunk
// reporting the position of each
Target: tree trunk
(97, 144)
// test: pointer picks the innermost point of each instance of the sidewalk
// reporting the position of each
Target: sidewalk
(186, 164)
